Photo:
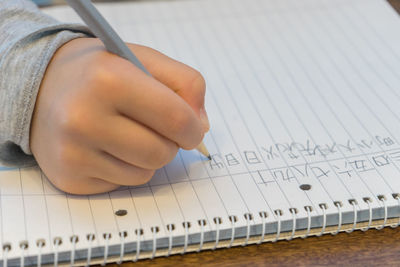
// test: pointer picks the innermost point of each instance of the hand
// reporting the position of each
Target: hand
(100, 122)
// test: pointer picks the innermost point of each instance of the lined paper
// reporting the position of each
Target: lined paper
(298, 93)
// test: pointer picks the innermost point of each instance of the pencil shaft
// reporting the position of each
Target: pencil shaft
(103, 30)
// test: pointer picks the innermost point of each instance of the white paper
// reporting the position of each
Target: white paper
(298, 92)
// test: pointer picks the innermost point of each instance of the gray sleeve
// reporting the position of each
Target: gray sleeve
(28, 40)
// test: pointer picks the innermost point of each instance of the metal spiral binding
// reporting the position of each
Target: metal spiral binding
(383, 200)
(154, 230)
(368, 201)
(40, 244)
(248, 217)
(57, 241)
(6, 249)
(107, 237)
(202, 223)
(323, 206)
(74, 239)
(139, 233)
(122, 236)
(293, 211)
(233, 220)
(90, 238)
(218, 222)
(353, 202)
(170, 228)
(186, 226)
(24, 246)
(263, 215)
(397, 197)
(338, 205)
(278, 214)
(308, 209)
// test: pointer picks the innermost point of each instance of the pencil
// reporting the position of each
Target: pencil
(113, 43)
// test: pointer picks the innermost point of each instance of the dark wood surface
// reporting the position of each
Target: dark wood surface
(371, 248)
(395, 4)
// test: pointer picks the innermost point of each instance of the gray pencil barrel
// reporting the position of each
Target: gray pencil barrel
(101, 29)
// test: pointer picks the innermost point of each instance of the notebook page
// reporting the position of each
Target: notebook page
(303, 102)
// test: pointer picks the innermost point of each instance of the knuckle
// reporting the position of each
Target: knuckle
(162, 155)
(198, 83)
(82, 185)
(64, 179)
(101, 79)
(67, 158)
(194, 82)
(148, 174)
(133, 176)
(186, 129)
(101, 74)
(65, 184)
(71, 122)
(195, 140)
(72, 119)
(181, 122)
(144, 176)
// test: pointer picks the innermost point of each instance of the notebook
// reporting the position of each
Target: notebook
(303, 99)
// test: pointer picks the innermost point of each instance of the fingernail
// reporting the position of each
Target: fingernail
(204, 120)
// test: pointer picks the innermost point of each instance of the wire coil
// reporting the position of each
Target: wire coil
(170, 229)
(293, 211)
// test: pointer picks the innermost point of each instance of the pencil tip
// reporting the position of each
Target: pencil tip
(203, 150)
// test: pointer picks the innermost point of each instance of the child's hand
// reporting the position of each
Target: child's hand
(100, 122)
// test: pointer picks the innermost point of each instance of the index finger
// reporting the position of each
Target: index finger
(181, 78)
(149, 102)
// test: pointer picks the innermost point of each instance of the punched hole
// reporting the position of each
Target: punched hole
(367, 199)
(278, 212)
(74, 239)
(263, 214)
(381, 197)
(7, 247)
(217, 220)
(40, 243)
(90, 237)
(171, 227)
(107, 236)
(139, 231)
(338, 203)
(293, 210)
(123, 234)
(202, 222)
(155, 229)
(353, 201)
(305, 187)
(308, 208)
(23, 244)
(233, 218)
(121, 212)
(186, 224)
(248, 216)
(323, 206)
(57, 241)
(396, 195)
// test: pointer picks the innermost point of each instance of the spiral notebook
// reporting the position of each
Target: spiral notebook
(303, 99)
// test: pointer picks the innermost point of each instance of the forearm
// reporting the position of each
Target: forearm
(28, 40)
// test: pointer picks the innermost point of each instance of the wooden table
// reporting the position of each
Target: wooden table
(371, 248)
